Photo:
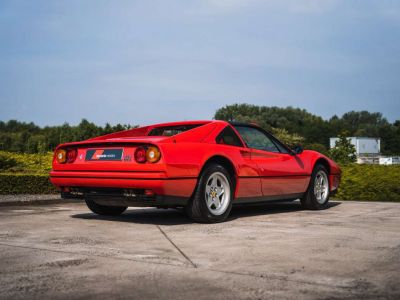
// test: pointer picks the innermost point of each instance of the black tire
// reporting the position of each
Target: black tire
(197, 208)
(104, 210)
(309, 200)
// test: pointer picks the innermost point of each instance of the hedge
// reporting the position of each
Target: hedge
(26, 184)
(38, 163)
(359, 182)
(370, 183)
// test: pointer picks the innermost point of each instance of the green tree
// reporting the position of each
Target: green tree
(317, 147)
(344, 152)
(24, 137)
(295, 121)
(289, 139)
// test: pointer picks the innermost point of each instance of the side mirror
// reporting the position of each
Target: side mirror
(298, 149)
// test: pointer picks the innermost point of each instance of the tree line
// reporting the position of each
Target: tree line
(314, 130)
(292, 125)
(24, 137)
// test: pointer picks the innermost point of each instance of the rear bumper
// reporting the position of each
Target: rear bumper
(124, 197)
(157, 182)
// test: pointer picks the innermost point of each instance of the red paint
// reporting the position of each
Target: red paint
(257, 173)
(281, 173)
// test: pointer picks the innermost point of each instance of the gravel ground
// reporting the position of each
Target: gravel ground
(7, 200)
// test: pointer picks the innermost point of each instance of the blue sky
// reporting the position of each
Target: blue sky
(141, 62)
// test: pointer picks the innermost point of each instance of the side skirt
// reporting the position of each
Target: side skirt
(288, 197)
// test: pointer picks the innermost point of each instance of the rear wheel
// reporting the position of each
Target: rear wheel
(317, 195)
(212, 200)
(104, 210)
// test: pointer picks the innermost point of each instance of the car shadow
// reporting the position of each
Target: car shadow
(250, 210)
(177, 216)
(143, 216)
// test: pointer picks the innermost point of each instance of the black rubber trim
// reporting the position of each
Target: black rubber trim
(174, 178)
(277, 176)
(286, 197)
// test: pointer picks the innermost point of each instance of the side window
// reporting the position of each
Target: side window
(280, 147)
(229, 137)
(256, 139)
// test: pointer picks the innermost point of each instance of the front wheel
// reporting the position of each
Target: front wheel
(317, 195)
(104, 210)
(212, 199)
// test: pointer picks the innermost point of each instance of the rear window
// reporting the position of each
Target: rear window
(172, 130)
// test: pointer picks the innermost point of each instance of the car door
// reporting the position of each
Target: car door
(248, 181)
(282, 173)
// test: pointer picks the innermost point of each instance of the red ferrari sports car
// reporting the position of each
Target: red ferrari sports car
(203, 166)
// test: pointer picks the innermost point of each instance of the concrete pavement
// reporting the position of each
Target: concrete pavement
(350, 250)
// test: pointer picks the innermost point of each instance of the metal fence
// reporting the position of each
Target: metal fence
(379, 160)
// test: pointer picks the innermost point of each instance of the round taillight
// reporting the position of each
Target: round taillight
(61, 156)
(71, 155)
(140, 155)
(153, 154)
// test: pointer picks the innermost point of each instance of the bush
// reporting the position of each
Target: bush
(25, 163)
(26, 184)
(6, 162)
(370, 183)
(359, 182)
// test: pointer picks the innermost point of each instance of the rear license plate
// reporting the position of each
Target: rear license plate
(104, 154)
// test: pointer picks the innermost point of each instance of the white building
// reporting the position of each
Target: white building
(368, 151)
(363, 145)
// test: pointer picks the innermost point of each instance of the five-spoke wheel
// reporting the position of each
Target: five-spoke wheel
(212, 199)
(317, 195)
(321, 186)
(217, 193)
